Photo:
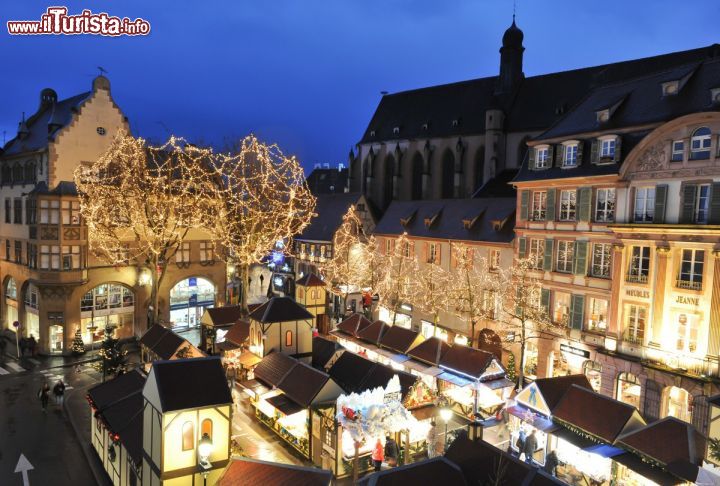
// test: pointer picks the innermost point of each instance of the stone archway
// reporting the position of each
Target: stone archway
(109, 304)
(189, 298)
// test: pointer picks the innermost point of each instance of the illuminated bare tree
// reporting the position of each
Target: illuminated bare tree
(398, 280)
(432, 295)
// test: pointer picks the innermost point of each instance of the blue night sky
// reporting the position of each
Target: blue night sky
(307, 74)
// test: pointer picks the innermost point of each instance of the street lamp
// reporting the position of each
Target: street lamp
(446, 415)
(205, 448)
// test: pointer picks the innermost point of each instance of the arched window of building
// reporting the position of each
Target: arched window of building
(628, 389)
(188, 436)
(700, 144)
(206, 427)
(18, 173)
(447, 175)
(676, 403)
(30, 172)
(479, 167)
(288, 338)
(416, 177)
(593, 371)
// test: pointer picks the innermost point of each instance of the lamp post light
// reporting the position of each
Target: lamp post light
(446, 415)
(205, 448)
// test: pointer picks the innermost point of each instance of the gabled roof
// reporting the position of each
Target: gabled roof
(162, 341)
(329, 210)
(553, 389)
(667, 441)
(374, 332)
(465, 360)
(310, 280)
(302, 383)
(244, 471)
(354, 324)
(438, 470)
(224, 316)
(350, 370)
(112, 391)
(323, 350)
(153, 335)
(579, 408)
(189, 383)
(239, 332)
(63, 188)
(430, 351)
(399, 339)
(449, 224)
(274, 367)
(280, 309)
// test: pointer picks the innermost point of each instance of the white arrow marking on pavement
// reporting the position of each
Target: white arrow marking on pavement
(14, 366)
(23, 466)
(3, 371)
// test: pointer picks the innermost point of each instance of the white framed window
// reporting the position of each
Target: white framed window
(639, 264)
(567, 205)
(70, 257)
(700, 143)
(183, 253)
(537, 252)
(644, 204)
(50, 257)
(691, 269)
(635, 320)
(494, 259)
(565, 256)
(597, 314)
(49, 211)
(388, 246)
(605, 205)
(702, 203)
(542, 158)
(570, 155)
(70, 212)
(561, 307)
(607, 148)
(406, 249)
(432, 253)
(206, 251)
(601, 260)
(678, 151)
(539, 205)
(687, 332)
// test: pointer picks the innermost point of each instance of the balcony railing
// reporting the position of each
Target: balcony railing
(688, 284)
(636, 278)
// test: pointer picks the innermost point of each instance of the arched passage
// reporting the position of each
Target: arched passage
(416, 177)
(629, 389)
(10, 296)
(447, 175)
(188, 300)
(109, 304)
(675, 402)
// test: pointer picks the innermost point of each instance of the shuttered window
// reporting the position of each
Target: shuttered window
(537, 253)
(644, 204)
(565, 256)
(605, 205)
(567, 205)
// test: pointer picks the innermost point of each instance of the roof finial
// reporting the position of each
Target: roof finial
(514, 9)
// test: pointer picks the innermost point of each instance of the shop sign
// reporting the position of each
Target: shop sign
(192, 282)
(643, 294)
(192, 302)
(566, 348)
(683, 299)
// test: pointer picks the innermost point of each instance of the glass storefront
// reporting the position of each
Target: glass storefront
(676, 403)
(188, 301)
(11, 305)
(55, 339)
(107, 305)
(32, 317)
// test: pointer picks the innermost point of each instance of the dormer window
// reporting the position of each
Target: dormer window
(425, 126)
(372, 133)
(670, 88)
(700, 144)
(542, 157)
(455, 123)
(396, 130)
(678, 151)
(570, 154)
(602, 116)
(607, 148)
(715, 96)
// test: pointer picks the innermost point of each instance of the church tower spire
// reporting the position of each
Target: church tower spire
(511, 57)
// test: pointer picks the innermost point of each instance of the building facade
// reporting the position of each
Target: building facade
(52, 284)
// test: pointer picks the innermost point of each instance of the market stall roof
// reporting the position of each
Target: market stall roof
(248, 359)
(438, 470)
(222, 316)
(323, 351)
(239, 332)
(152, 335)
(498, 383)
(280, 309)
(162, 341)
(429, 351)
(553, 389)
(350, 370)
(274, 367)
(243, 471)
(310, 280)
(400, 339)
(667, 441)
(255, 386)
(467, 361)
(354, 324)
(374, 332)
(538, 421)
(391, 354)
(226, 346)
(479, 460)
(647, 470)
(380, 375)
(588, 445)
(303, 383)
(596, 414)
(117, 389)
(187, 383)
(285, 404)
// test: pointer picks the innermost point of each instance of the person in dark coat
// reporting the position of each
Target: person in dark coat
(530, 447)
(31, 345)
(44, 396)
(551, 463)
(391, 451)
(59, 392)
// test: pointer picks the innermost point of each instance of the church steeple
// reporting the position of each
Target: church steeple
(511, 56)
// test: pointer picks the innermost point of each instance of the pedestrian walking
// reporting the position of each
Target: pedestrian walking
(434, 441)
(378, 455)
(31, 345)
(520, 442)
(391, 451)
(44, 396)
(551, 463)
(59, 392)
(530, 447)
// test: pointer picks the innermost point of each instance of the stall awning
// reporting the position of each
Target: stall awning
(499, 383)
(254, 386)
(285, 405)
(248, 360)
(539, 422)
(588, 445)
(424, 413)
(646, 470)
(396, 357)
(454, 379)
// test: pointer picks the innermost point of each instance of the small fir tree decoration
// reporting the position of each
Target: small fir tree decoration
(78, 347)
(511, 373)
(111, 354)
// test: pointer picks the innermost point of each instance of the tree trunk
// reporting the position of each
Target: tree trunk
(473, 324)
(521, 373)
(245, 279)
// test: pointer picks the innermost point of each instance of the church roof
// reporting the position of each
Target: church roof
(329, 212)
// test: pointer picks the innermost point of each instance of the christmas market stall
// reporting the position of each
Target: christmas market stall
(215, 323)
(161, 343)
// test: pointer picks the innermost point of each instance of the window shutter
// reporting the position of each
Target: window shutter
(559, 155)
(660, 203)
(522, 247)
(618, 149)
(524, 203)
(551, 153)
(545, 299)
(594, 154)
(550, 207)
(688, 203)
(577, 311)
(531, 158)
(581, 144)
(580, 263)
(714, 204)
(584, 200)
(548, 255)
